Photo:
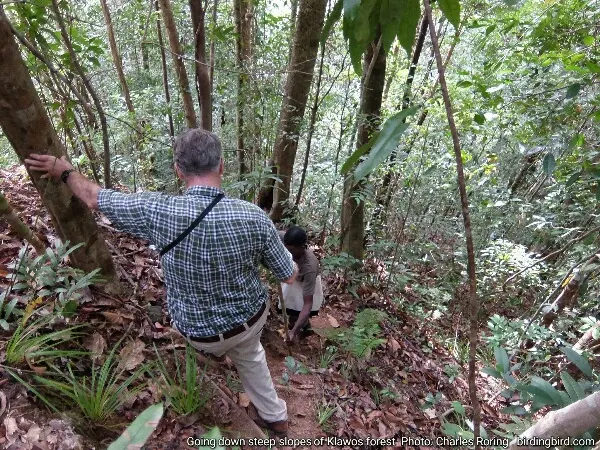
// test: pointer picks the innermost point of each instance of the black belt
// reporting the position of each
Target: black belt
(234, 331)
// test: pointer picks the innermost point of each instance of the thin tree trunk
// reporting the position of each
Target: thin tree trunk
(165, 77)
(243, 13)
(384, 191)
(337, 158)
(88, 85)
(311, 125)
(177, 54)
(198, 13)
(19, 227)
(114, 50)
(29, 130)
(212, 46)
(311, 15)
(373, 83)
(473, 300)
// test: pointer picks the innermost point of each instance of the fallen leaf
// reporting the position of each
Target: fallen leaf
(332, 320)
(244, 400)
(95, 344)
(394, 345)
(430, 413)
(132, 355)
(113, 317)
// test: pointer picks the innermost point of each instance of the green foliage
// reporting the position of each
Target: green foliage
(328, 356)
(48, 275)
(385, 144)
(7, 310)
(363, 337)
(451, 9)
(185, 391)
(32, 342)
(136, 434)
(294, 366)
(97, 395)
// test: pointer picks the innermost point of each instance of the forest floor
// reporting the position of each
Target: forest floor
(382, 396)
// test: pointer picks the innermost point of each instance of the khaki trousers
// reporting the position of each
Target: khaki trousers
(248, 355)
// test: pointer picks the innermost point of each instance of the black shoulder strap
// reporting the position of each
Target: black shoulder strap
(193, 225)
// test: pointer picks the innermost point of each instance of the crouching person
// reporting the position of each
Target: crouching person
(304, 297)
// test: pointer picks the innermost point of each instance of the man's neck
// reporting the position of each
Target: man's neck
(206, 181)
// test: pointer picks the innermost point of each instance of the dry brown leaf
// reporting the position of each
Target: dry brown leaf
(132, 355)
(244, 400)
(394, 345)
(112, 317)
(95, 344)
(332, 321)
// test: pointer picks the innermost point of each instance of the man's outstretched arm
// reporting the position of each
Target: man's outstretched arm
(85, 189)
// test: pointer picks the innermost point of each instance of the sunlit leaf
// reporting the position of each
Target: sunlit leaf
(409, 20)
(140, 429)
(386, 142)
(451, 9)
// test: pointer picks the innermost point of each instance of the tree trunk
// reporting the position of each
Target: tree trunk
(385, 194)
(464, 199)
(293, 17)
(88, 85)
(311, 15)
(243, 13)
(570, 421)
(177, 54)
(353, 209)
(311, 126)
(165, 77)
(18, 226)
(29, 130)
(212, 46)
(198, 14)
(114, 50)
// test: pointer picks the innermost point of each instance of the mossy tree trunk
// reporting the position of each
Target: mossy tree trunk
(25, 123)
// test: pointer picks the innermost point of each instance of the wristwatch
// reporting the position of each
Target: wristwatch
(65, 174)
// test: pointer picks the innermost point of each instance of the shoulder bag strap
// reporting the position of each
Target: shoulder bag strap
(193, 225)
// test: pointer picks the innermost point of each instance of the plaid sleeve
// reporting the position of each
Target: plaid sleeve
(125, 211)
(276, 257)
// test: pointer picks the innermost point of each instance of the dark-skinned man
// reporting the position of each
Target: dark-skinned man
(211, 249)
(304, 297)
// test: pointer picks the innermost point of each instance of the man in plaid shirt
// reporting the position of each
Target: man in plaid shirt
(214, 293)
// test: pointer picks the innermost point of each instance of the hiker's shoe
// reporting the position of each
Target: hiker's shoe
(279, 428)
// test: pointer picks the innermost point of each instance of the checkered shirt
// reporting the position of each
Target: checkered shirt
(212, 276)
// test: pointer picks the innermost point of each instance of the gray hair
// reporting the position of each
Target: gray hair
(197, 152)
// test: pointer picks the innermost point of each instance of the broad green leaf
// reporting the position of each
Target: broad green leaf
(578, 360)
(451, 9)
(479, 118)
(334, 16)
(548, 389)
(409, 20)
(573, 179)
(573, 90)
(549, 164)
(502, 361)
(354, 157)
(572, 387)
(364, 28)
(492, 372)
(140, 429)
(458, 407)
(389, 19)
(539, 396)
(588, 40)
(464, 84)
(356, 52)
(386, 142)
(350, 8)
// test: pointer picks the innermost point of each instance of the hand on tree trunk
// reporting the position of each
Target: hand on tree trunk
(53, 166)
